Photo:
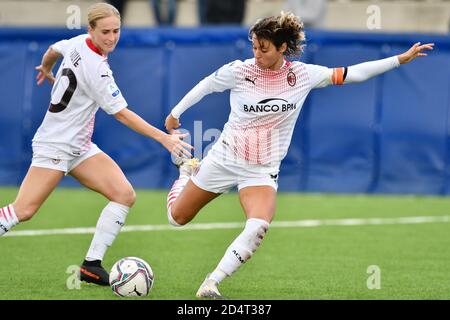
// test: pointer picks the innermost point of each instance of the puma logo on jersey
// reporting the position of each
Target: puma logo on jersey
(104, 75)
(250, 80)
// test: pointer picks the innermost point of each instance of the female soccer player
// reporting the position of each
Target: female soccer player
(267, 94)
(62, 144)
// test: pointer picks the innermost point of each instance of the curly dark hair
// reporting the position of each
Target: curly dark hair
(285, 28)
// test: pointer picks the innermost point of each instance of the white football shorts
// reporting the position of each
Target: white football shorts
(216, 177)
(46, 158)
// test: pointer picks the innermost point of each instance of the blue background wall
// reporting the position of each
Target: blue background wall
(387, 135)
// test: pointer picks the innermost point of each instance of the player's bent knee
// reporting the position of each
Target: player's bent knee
(177, 218)
(182, 221)
(126, 196)
(172, 221)
(26, 213)
(131, 199)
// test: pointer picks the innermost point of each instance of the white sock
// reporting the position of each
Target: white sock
(108, 227)
(175, 191)
(241, 249)
(8, 219)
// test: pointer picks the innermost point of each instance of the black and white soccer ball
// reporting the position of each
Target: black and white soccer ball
(131, 277)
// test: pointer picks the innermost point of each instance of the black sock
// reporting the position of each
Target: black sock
(95, 263)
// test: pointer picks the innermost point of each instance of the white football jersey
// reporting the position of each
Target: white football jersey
(84, 83)
(265, 105)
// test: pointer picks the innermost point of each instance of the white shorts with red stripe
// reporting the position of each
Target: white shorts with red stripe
(46, 157)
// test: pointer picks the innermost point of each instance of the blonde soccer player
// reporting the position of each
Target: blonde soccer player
(267, 94)
(62, 145)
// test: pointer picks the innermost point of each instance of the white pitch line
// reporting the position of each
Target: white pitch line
(239, 225)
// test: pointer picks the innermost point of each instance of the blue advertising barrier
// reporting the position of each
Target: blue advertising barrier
(390, 134)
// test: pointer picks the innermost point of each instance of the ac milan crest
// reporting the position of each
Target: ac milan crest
(291, 79)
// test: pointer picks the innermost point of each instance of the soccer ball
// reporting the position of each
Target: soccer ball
(131, 277)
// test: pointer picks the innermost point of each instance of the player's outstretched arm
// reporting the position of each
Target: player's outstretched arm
(417, 50)
(364, 71)
(45, 68)
(172, 142)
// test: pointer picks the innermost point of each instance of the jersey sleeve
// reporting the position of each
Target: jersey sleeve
(319, 76)
(64, 45)
(104, 90)
(223, 78)
(322, 76)
(366, 70)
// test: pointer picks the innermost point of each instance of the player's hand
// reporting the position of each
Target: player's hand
(176, 146)
(44, 74)
(415, 51)
(171, 123)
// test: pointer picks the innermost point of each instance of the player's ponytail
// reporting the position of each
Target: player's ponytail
(285, 28)
(99, 11)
